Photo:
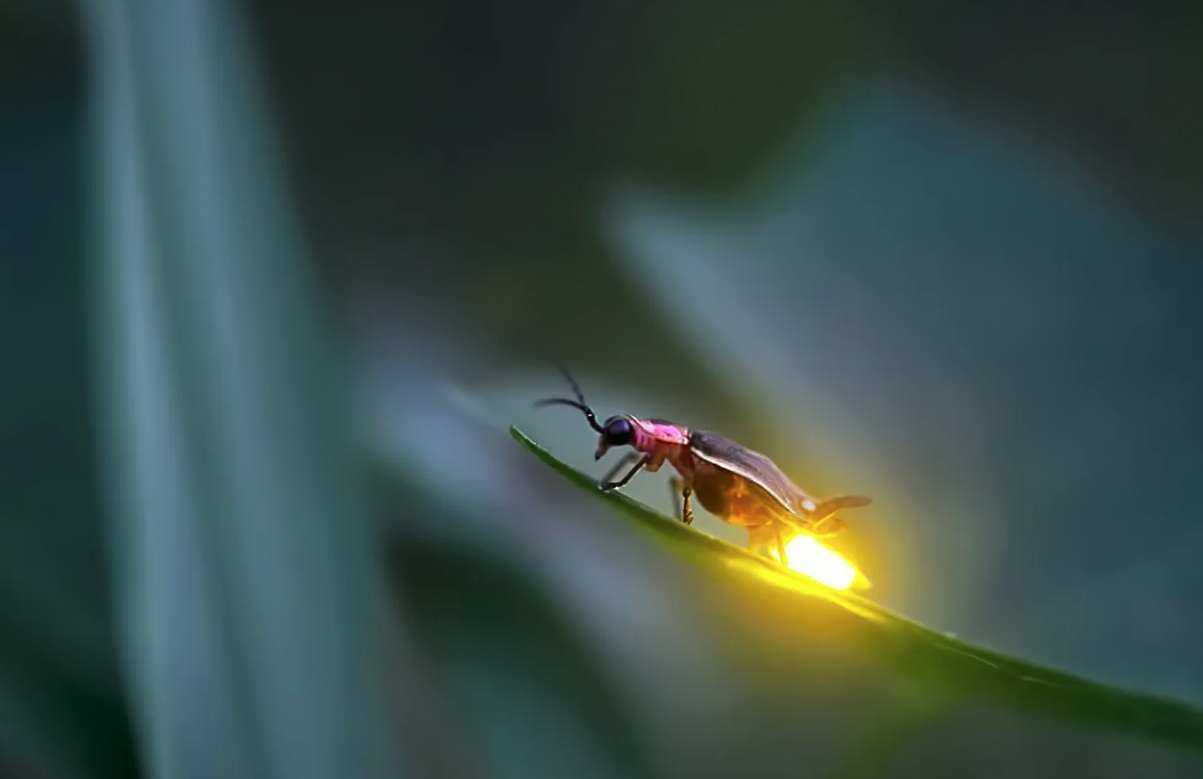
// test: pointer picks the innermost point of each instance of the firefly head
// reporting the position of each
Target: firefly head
(617, 431)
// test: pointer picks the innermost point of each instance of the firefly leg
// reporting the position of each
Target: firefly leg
(678, 488)
(756, 540)
(756, 537)
(828, 527)
(607, 482)
(781, 548)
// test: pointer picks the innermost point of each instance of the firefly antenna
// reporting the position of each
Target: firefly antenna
(579, 403)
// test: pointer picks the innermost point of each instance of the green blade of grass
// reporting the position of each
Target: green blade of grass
(250, 609)
(937, 662)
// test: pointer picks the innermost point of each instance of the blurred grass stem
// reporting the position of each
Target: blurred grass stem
(247, 588)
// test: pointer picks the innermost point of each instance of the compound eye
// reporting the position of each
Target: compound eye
(619, 432)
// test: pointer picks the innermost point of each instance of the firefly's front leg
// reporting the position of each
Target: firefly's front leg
(678, 488)
(607, 482)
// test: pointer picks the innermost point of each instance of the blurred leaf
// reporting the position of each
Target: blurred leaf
(54, 718)
(248, 588)
(930, 659)
(517, 683)
(889, 302)
(876, 750)
(61, 707)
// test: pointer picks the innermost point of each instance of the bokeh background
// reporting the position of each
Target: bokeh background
(275, 278)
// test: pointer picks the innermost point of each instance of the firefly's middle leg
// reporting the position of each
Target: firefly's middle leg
(677, 485)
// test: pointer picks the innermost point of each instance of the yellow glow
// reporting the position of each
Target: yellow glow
(807, 556)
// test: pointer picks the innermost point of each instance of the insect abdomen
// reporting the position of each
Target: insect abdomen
(731, 497)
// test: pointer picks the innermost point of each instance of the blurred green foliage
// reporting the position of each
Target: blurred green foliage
(247, 614)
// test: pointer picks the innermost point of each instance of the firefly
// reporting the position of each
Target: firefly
(741, 487)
